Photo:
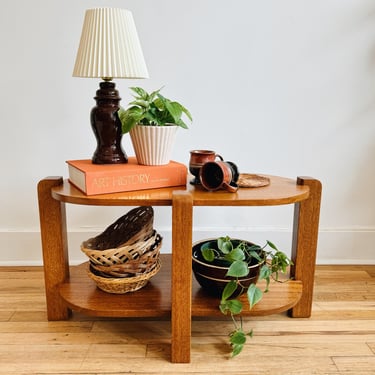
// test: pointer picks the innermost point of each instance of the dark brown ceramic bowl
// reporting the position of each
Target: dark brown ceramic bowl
(212, 277)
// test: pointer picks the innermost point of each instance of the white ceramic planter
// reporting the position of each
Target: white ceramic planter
(153, 144)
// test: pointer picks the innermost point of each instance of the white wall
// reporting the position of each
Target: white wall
(280, 87)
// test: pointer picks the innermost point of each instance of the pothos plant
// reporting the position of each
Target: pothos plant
(152, 109)
(239, 255)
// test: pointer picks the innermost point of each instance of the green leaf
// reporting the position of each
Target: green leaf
(238, 268)
(224, 307)
(237, 340)
(255, 254)
(160, 103)
(181, 124)
(140, 103)
(129, 118)
(238, 337)
(236, 254)
(250, 334)
(254, 295)
(270, 244)
(208, 254)
(265, 274)
(236, 349)
(233, 306)
(229, 289)
(187, 113)
(141, 92)
(225, 245)
(174, 109)
(153, 95)
(151, 118)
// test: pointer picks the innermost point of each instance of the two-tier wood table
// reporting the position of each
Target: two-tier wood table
(172, 293)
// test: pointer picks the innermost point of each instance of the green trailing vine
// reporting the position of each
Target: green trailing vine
(239, 255)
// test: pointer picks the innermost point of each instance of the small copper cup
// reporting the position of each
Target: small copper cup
(197, 159)
(217, 175)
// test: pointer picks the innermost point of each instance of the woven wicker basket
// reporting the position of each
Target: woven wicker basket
(128, 229)
(121, 254)
(142, 263)
(126, 255)
(125, 284)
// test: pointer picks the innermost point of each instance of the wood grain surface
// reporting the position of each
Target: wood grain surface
(338, 338)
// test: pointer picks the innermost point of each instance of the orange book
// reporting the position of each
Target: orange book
(114, 178)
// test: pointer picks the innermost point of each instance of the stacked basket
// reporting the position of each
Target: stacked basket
(126, 255)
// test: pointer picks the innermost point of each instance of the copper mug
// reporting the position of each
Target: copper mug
(217, 175)
(197, 159)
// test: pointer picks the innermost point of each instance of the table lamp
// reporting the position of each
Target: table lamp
(109, 48)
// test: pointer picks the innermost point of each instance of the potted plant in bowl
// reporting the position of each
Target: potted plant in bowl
(228, 268)
(212, 259)
(152, 121)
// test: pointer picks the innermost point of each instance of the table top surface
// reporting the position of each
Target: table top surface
(280, 191)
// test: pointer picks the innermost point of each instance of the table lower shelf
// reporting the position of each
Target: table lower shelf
(154, 300)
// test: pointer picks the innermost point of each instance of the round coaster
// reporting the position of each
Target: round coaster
(248, 180)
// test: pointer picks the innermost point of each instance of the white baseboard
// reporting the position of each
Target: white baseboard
(335, 246)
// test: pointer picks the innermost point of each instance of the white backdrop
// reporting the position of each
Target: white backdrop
(280, 87)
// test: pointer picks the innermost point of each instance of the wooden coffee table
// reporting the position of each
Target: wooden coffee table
(172, 293)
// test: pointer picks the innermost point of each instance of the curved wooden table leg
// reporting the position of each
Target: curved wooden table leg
(55, 249)
(182, 224)
(305, 240)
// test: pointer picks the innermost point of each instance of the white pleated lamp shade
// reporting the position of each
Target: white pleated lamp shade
(109, 46)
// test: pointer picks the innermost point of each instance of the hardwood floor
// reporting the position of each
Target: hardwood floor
(339, 338)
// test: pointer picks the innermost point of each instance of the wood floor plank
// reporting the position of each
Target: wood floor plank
(360, 364)
(33, 358)
(42, 327)
(338, 339)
